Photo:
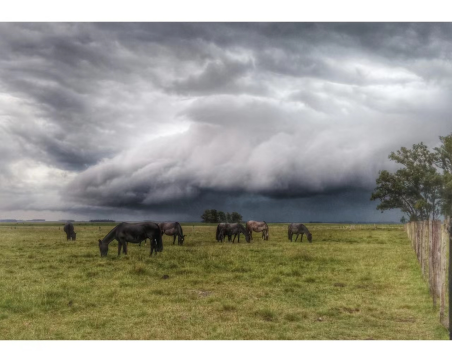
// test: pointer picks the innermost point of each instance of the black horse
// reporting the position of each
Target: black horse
(237, 230)
(298, 229)
(225, 229)
(132, 233)
(69, 230)
(222, 230)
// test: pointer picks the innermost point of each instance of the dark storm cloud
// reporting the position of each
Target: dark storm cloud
(177, 117)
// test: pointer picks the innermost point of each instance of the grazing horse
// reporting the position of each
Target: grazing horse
(258, 226)
(69, 230)
(237, 230)
(172, 228)
(132, 233)
(222, 230)
(298, 229)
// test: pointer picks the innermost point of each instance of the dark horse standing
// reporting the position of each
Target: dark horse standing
(132, 233)
(231, 230)
(298, 229)
(172, 228)
(69, 230)
(221, 231)
(237, 230)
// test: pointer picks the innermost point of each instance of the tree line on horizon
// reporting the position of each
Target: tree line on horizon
(421, 188)
(214, 216)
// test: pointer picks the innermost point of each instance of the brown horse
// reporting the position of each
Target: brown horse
(257, 226)
(172, 229)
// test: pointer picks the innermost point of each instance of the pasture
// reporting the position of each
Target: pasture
(348, 284)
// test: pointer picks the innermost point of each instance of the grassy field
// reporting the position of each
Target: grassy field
(363, 283)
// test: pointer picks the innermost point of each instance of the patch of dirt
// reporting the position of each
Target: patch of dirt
(341, 285)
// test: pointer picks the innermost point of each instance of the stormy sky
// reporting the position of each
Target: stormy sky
(159, 121)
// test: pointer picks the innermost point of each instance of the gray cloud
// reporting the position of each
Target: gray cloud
(132, 119)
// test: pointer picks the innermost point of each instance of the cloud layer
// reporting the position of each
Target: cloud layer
(166, 119)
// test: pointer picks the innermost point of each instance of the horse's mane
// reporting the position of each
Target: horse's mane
(305, 229)
(179, 227)
(109, 234)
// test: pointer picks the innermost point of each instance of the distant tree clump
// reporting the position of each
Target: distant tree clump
(418, 189)
(222, 216)
(214, 216)
(236, 217)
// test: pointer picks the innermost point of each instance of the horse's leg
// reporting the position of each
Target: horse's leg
(125, 248)
(297, 235)
(152, 245)
(291, 236)
(119, 248)
(239, 236)
(174, 239)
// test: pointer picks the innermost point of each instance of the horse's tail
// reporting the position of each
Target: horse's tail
(161, 228)
(289, 232)
(247, 226)
(217, 232)
(160, 245)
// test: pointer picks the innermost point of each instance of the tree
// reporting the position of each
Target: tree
(415, 189)
(214, 216)
(443, 161)
(222, 216)
(236, 217)
(228, 217)
(206, 217)
(403, 220)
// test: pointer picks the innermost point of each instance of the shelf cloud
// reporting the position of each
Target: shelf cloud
(283, 121)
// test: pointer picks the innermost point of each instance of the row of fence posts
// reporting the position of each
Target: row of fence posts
(431, 241)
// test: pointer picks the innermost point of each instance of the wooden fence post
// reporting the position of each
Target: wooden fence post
(431, 260)
(443, 269)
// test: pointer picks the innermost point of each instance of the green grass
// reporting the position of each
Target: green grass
(363, 283)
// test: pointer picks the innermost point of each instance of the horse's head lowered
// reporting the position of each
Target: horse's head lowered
(181, 239)
(104, 248)
(309, 237)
